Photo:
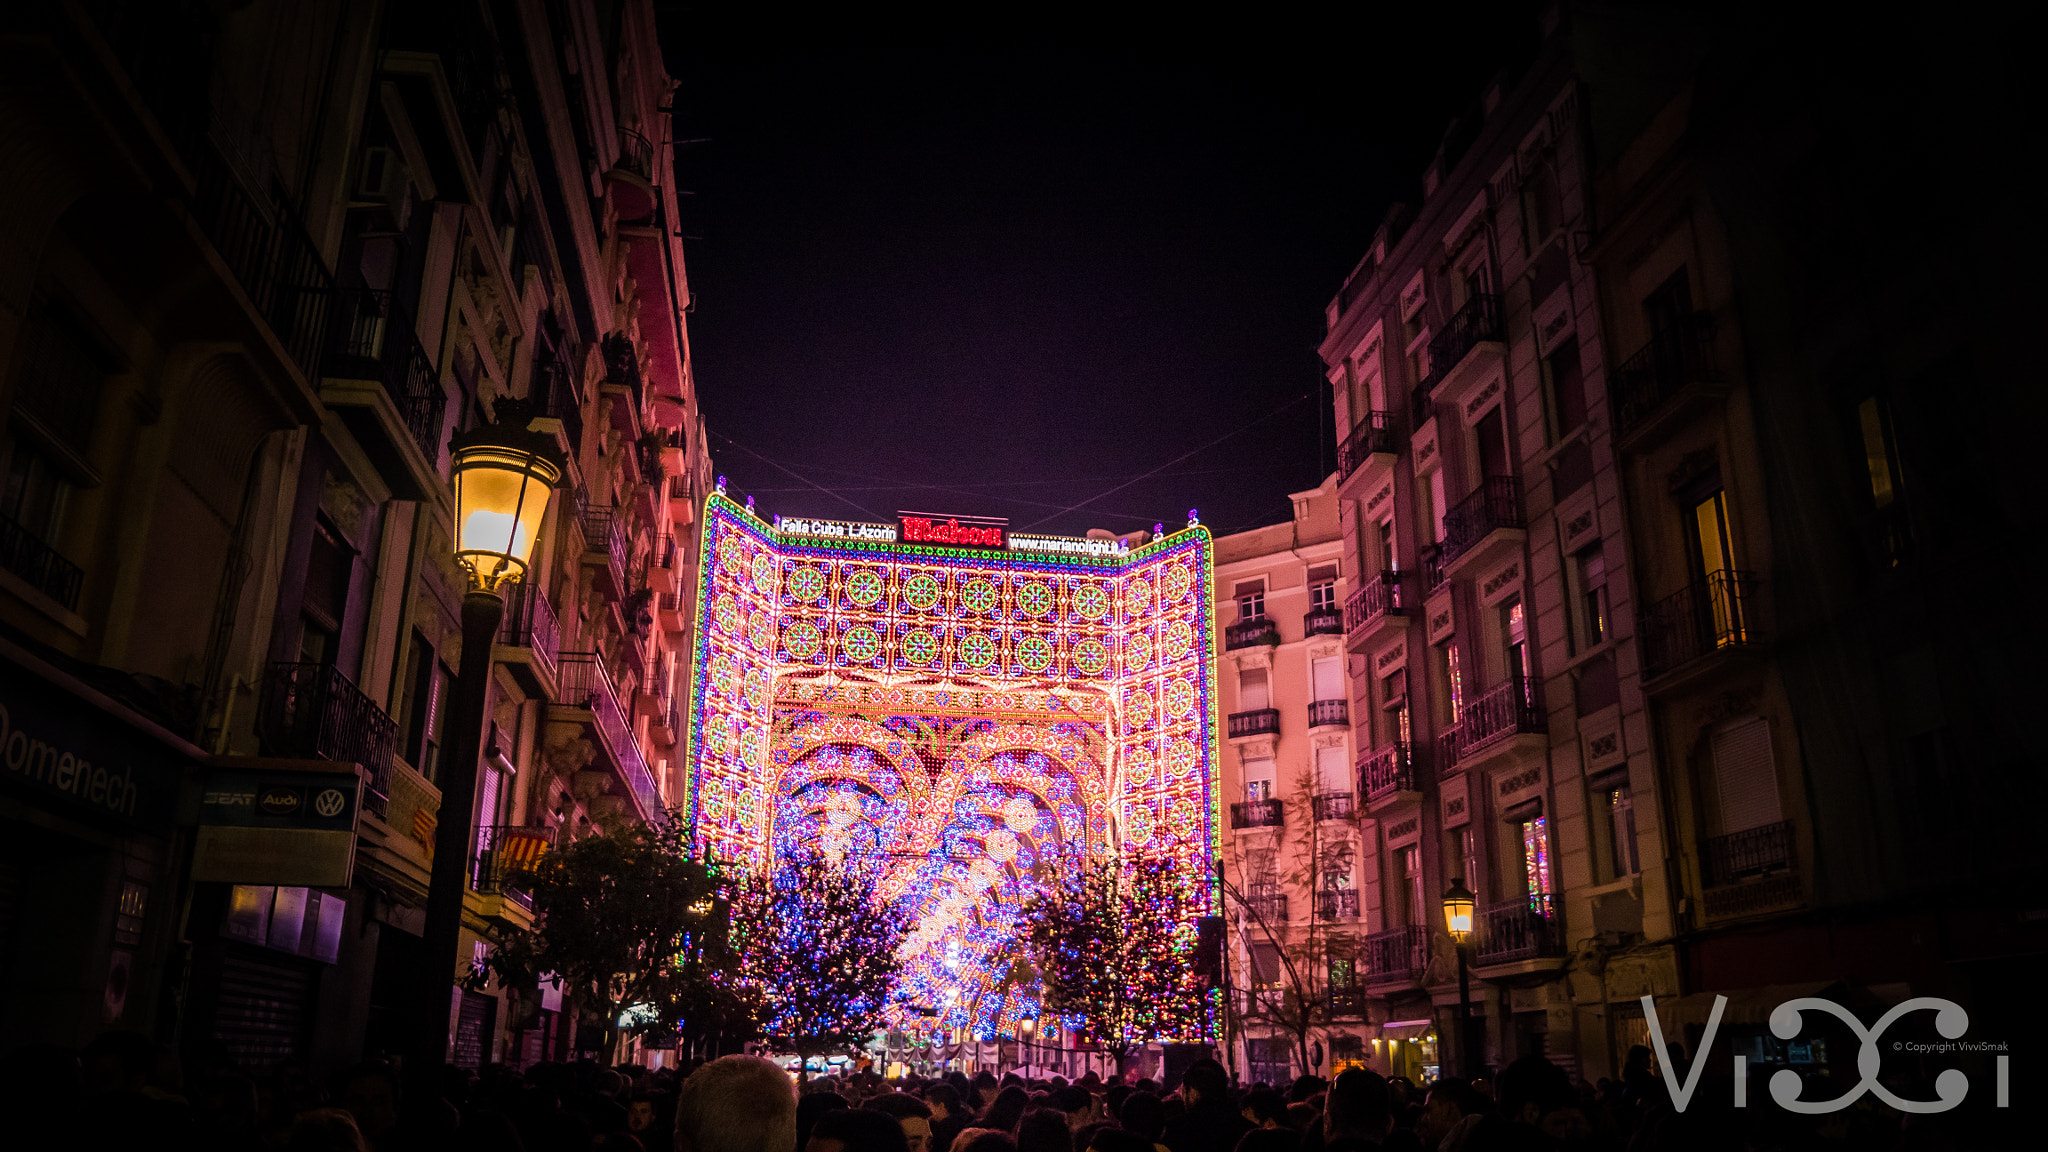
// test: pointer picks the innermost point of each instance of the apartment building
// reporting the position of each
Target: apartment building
(1496, 698)
(265, 262)
(1291, 859)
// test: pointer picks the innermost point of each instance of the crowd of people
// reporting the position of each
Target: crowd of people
(126, 1092)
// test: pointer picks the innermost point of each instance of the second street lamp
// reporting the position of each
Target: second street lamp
(1458, 923)
(504, 474)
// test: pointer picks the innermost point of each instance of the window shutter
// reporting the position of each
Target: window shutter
(1747, 775)
(1252, 692)
(1329, 679)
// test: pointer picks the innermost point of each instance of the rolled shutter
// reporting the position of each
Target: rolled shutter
(1747, 776)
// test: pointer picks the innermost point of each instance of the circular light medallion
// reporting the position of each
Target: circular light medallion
(1137, 598)
(1178, 581)
(1180, 697)
(1140, 704)
(978, 595)
(1137, 651)
(919, 646)
(1138, 823)
(732, 555)
(764, 574)
(1034, 599)
(1019, 813)
(1034, 653)
(1091, 601)
(1181, 756)
(864, 588)
(1000, 845)
(921, 591)
(727, 611)
(761, 631)
(977, 650)
(1142, 767)
(801, 640)
(1179, 636)
(860, 644)
(1090, 656)
(806, 584)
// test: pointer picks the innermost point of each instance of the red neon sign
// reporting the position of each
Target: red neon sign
(923, 530)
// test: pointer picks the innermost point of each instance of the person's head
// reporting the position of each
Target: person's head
(1450, 1100)
(943, 1098)
(1306, 1088)
(1076, 1103)
(1006, 1109)
(1144, 1114)
(1109, 1139)
(639, 1112)
(810, 1106)
(736, 1104)
(370, 1094)
(1356, 1106)
(1115, 1097)
(326, 1130)
(1044, 1130)
(985, 1087)
(1205, 1079)
(850, 1130)
(1532, 1088)
(1302, 1116)
(984, 1140)
(1264, 1108)
(910, 1114)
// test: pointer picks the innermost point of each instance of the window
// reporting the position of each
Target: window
(431, 685)
(1335, 867)
(1621, 823)
(1887, 478)
(1714, 561)
(1493, 443)
(37, 493)
(1450, 692)
(1394, 702)
(1746, 776)
(1322, 596)
(1333, 772)
(1251, 600)
(1327, 676)
(1253, 692)
(1384, 535)
(1408, 866)
(1567, 387)
(1343, 972)
(324, 599)
(1434, 505)
(1265, 961)
(1258, 780)
(1587, 577)
(1465, 856)
(1515, 648)
(1668, 309)
(1536, 862)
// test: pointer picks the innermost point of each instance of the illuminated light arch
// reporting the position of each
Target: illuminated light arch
(982, 719)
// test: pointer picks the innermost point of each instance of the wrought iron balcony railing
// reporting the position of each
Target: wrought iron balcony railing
(1334, 805)
(530, 622)
(587, 683)
(1521, 929)
(1397, 953)
(313, 710)
(1680, 355)
(1495, 504)
(1745, 855)
(1258, 722)
(374, 340)
(504, 854)
(1337, 904)
(1257, 814)
(663, 553)
(1269, 904)
(1378, 597)
(1431, 558)
(23, 553)
(622, 365)
(1259, 631)
(1715, 614)
(1477, 321)
(1322, 713)
(1371, 436)
(1385, 771)
(1510, 708)
(636, 154)
(1322, 622)
(553, 394)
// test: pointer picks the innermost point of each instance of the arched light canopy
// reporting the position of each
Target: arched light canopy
(504, 473)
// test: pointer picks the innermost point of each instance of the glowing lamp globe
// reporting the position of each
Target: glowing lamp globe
(504, 474)
(1458, 911)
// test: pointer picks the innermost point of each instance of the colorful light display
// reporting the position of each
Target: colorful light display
(976, 721)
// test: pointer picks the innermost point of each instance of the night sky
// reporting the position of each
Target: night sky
(1008, 270)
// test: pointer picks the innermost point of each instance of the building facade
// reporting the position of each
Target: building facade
(264, 264)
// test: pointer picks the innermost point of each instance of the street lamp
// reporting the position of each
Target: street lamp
(504, 474)
(1458, 922)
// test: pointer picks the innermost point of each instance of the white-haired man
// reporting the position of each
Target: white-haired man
(736, 1104)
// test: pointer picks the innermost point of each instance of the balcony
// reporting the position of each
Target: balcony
(1259, 631)
(1324, 713)
(1505, 720)
(1258, 722)
(1337, 904)
(1519, 931)
(661, 565)
(1334, 805)
(1387, 775)
(667, 728)
(381, 382)
(1268, 904)
(504, 854)
(1750, 872)
(554, 397)
(1257, 814)
(529, 639)
(1466, 346)
(589, 697)
(1485, 528)
(1666, 385)
(632, 178)
(313, 711)
(1375, 609)
(1694, 632)
(1369, 449)
(39, 565)
(1345, 1002)
(605, 548)
(623, 384)
(1396, 957)
(1322, 622)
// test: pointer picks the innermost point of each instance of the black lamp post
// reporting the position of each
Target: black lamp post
(1458, 922)
(504, 473)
